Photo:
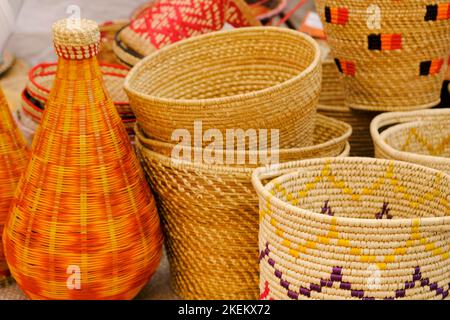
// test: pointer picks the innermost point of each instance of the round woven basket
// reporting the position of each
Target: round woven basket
(210, 216)
(421, 137)
(83, 222)
(330, 137)
(392, 55)
(13, 159)
(248, 78)
(353, 228)
(163, 22)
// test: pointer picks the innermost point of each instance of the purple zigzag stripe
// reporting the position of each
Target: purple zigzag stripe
(336, 276)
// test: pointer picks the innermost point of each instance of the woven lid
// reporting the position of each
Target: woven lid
(76, 39)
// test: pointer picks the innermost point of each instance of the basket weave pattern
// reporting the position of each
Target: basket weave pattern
(354, 228)
(210, 216)
(13, 158)
(397, 66)
(83, 201)
(245, 78)
(421, 137)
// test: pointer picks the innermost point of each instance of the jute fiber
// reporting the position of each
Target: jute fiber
(421, 137)
(248, 78)
(210, 217)
(83, 223)
(393, 55)
(353, 228)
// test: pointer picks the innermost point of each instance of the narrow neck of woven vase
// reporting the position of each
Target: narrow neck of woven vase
(79, 116)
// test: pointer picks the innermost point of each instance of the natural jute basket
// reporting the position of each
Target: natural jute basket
(248, 78)
(210, 217)
(353, 228)
(83, 223)
(108, 32)
(13, 159)
(393, 55)
(421, 137)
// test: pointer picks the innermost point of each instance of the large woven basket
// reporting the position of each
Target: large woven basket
(248, 78)
(421, 137)
(83, 222)
(353, 228)
(392, 54)
(163, 22)
(210, 216)
(13, 159)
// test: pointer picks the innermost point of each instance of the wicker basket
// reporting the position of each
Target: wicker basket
(261, 77)
(83, 223)
(164, 22)
(209, 215)
(13, 159)
(353, 228)
(421, 137)
(396, 67)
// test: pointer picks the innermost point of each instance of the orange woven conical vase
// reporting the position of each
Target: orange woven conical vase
(83, 224)
(13, 159)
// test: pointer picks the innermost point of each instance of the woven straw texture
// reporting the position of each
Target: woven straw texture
(41, 77)
(165, 22)
(108, 32)
(13, 158)
(353, 228)
(261, 77)
(209, 215)
(83, 224)
(421, 137)
(332, 104)
(396, 66)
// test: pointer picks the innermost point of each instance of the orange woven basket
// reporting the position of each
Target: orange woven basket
(83, 223)
(13, 159)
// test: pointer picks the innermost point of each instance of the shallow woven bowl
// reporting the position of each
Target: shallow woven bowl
(330, 138)
(210, 218)
(248, 78)
(421, 137)
(390, 74)
(353, 228)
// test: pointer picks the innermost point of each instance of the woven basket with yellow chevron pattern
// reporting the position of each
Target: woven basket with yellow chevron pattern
(421, 137)
(353, 228)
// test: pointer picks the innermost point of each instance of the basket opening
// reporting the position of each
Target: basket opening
(224, 66)
(367, 190)
(425, 138)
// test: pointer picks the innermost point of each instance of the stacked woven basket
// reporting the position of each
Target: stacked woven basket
(249, 78)
(376, 45)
